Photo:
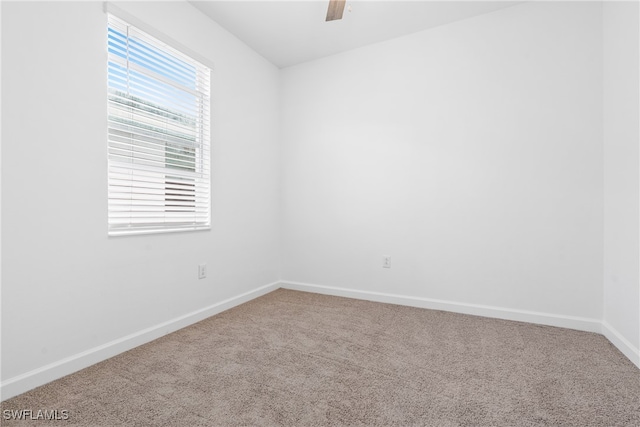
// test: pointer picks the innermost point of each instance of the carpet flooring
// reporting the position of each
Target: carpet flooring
(302, 359)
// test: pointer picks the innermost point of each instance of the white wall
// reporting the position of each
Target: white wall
(621, 175)
(66, 287)
(470, 153)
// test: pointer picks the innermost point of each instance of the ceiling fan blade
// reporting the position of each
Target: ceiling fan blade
(336, 7)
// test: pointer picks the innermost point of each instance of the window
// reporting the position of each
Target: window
(158, 135)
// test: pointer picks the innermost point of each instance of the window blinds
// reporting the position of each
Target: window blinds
(158, 135)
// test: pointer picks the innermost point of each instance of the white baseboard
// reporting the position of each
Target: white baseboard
(570, 322)
(40, 376)
(621, 343)
(562, 321)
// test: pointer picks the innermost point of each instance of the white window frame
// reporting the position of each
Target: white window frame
(158, 133)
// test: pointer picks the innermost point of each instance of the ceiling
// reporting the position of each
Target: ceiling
(291, 32)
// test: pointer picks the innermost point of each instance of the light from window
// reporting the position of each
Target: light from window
(158, 135)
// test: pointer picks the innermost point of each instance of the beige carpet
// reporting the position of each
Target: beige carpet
(295, 358)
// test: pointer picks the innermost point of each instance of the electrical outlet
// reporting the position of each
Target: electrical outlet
(386, 262)
(202, 271)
